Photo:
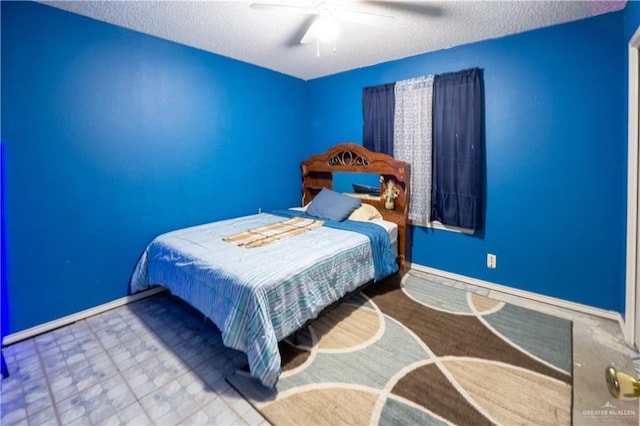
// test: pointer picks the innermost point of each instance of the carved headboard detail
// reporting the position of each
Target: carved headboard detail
(317, 173)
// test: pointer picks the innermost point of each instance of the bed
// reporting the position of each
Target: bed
(261, 277)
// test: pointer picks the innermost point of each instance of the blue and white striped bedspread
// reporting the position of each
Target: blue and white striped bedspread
(260, 295)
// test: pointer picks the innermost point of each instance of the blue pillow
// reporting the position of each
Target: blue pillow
(332, 205)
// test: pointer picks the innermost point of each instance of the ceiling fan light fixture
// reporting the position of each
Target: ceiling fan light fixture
(326, 28)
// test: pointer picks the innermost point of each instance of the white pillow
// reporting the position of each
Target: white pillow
(365, 213)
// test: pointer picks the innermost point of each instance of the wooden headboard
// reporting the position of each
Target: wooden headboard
(317, 173)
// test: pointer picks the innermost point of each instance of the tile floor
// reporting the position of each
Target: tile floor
(157, 361)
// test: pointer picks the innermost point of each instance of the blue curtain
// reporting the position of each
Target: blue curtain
(378, 110)
(456, 193)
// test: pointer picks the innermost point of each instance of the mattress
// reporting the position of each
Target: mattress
(392, 230)
(258, 296)
(390, 227)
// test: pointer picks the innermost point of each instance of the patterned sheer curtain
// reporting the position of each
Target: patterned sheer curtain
(413, 141)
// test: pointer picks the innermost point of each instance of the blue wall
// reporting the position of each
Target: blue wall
(555, 104)
(631, 19)
(111, 137)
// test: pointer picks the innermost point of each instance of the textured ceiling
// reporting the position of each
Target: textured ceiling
(270, 39)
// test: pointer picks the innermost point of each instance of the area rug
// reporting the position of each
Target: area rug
(413, 351)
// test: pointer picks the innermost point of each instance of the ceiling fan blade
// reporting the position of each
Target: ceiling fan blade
(281, 8)
(421, 8)
(309, 36)
(300, 30)
(366, 18)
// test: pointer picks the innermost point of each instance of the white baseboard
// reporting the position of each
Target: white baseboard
(70, 319)
(560, 303)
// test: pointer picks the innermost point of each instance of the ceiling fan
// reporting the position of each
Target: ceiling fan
(328, 16)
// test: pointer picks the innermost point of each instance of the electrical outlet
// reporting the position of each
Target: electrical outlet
(491, 260)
